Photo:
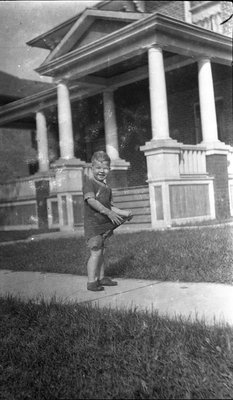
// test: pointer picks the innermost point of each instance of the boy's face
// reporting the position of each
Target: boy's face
(100, 170)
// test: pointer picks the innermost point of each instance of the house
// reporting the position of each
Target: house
(18, 155)
(149, 82)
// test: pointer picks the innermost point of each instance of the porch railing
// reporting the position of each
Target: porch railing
(87, 171)
(192, 160)
(13, 190)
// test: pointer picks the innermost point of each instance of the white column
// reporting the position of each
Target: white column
(207, 102)
(110, 125)
(42, 142)
(66, 139)
(158, 94)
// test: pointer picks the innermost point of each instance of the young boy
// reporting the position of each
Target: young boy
(100, 219)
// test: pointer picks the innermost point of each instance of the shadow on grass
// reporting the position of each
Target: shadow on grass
(120, 267)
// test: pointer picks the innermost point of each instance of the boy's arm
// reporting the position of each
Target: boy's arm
(123, 213)
(111, 214)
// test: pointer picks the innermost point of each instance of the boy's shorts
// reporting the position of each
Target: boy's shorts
(98, 242)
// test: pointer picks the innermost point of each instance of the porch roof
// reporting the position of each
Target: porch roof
(171, 34)
(88, 67)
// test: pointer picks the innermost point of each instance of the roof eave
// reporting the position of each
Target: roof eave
(149, 26)
(35, 41)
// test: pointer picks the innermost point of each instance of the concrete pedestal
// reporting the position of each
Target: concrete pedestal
(69, 183)
(162, 158)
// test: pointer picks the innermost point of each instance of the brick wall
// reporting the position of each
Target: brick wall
(16, 153)
(227, 10)
(134, 128)
(221, 90)
(181, 116)
(181, 113)
(134, 125)
(174, 9)
(216, 166)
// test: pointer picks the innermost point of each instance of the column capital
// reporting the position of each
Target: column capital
(62, 82)
(108, 90)
(203, 59)
(156, 47)
(41, 110)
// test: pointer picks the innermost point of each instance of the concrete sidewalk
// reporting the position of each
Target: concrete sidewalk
(208, 301)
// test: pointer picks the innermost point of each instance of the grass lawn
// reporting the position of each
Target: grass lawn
(7, 236)
(72, 351)
(55, 351)
(195, 255)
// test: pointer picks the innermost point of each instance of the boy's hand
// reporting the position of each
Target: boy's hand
(130, 215)
(114, 217)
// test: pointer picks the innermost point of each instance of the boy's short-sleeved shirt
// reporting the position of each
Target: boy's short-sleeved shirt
(96, 223)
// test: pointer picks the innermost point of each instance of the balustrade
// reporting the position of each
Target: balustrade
(14, 190)
(87, 171)
(192, 160)
(22, 188)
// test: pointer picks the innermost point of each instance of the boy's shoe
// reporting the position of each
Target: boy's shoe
(94, 286)
(107, 282)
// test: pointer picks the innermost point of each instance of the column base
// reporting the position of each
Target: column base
(162, 159)
(216, 147)
(42, 175)
(160, 143)
(119, 164)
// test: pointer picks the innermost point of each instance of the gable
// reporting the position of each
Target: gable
(91, 26)
(98, 30)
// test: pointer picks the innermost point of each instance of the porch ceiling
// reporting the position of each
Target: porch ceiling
(127, 65)
(181, 74)
(134, 40)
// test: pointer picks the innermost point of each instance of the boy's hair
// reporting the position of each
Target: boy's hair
(100, 156)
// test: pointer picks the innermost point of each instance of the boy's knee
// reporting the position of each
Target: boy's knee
(96, 243)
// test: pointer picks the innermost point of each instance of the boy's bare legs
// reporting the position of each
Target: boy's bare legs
(104, 281)
(100, 268)
(92, 268)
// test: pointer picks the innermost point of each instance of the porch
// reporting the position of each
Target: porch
(183, 182)
(45, 202)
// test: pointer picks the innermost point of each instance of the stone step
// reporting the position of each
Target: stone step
(130, 197)
(130, 190)
(132, 204)
(137, 199)
(134, 227)
(139, 210)
(138, 219)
